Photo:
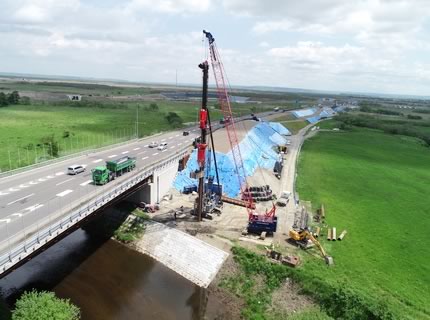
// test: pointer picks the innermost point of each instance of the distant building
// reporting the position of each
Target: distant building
(74, 97)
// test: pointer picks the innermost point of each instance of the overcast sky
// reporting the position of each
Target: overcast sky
(342, 45)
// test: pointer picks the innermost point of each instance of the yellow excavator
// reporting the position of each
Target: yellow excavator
(302, 237)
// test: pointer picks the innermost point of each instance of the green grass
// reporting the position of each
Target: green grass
(377, 187)
(295, 126)
(23, 127)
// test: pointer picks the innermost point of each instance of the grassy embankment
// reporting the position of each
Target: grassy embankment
(376, 186)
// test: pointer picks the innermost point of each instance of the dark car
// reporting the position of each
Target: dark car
(185, 133)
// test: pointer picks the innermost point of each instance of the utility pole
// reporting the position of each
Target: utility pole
(201, 147)
(137, 122)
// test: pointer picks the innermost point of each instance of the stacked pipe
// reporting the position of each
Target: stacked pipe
(263, 193)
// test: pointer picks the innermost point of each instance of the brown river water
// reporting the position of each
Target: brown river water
(109, 281)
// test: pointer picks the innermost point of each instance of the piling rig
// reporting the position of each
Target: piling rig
(257, 222)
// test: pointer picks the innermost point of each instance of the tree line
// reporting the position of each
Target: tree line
(9, 99)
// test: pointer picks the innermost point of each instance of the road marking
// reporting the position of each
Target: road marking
(59, 184)
(155, 154)
(141, 152)
(145, 145)
(170, 138)
(98, 160)
(23, 186)
(172, 147)
(12, 202)
(41, 180)
(49, 177)
(180, 144)
(59, 173)
(33, 182)
(32, 208)
(177, 135)
(13, 189)
(3, 193)
(136, 149)
(86, 182)
(125, 152)
(163, 140)
(164, 150)
(17, 214)
(144, 158)
(114, 155)
(65, 192)
(5, 220)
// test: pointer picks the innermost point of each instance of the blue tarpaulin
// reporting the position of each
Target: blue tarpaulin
(257, 150)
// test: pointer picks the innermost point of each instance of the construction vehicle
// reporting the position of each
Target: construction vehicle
(257, 222)
(103, 174)
(302, 238)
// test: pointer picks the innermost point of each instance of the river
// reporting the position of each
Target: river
(109, 281)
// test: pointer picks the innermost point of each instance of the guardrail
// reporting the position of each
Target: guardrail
(94, 202)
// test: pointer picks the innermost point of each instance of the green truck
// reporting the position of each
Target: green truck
(113, 169)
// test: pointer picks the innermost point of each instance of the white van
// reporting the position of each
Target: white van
(75, 169)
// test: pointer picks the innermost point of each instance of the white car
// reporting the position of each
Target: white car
(153, 144)
(75, 169)
(162, 146)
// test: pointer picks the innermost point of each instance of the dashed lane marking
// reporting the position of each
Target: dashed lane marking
(145, 145)
(98, 160)
(177, 135)
(125, 152)
(33, 182)
(180, 144)
(17, 200)
(49, 177)
(86, 182)
(155, 154)
(170, 138)
(172, 147)
(59, 184)
(3, 193)
(59, 173)
(111, 156)
(164, 150)
(144, 158)
(136, 149)
(41, 179)
(13, 189)
(5, 220)
(65, 192)
(35, 207)
(22, 186)
(163, 140)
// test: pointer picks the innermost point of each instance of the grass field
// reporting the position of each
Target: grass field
(23, 127)
(295, 125)
(377, 187)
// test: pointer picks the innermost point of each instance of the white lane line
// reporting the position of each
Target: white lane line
(177, 135)
(136, 148)
(172, 147)
(125, 152)
(144, 158)
(3, 193)
(170, 138)
(163, 140)
(155, 154)
(86, 182)
(41, 180)
(164, 150)
(13, 189)
(59, 173)
(23, 186)
(12, 202)
(98, 160)
(145, 145)
(180, 144)
(32, 208)
(49, 177)
(5, 220)
(114, 155)
(33, 182)
(17, 214)
(59, 184)
(141, 152)
(65, 192)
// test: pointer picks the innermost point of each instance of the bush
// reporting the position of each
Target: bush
(412, 117)
(44, 306)
(174, 119)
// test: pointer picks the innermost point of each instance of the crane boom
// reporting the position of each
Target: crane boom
(224, 101)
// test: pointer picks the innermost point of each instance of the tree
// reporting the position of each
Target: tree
(174, 119)
(3, 100)
(51, 145)
(153, 107)
(13, 98)
(43, 306)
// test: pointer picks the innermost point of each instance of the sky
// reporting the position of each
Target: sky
(379, 46)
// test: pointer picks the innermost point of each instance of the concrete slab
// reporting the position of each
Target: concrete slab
(190, 257)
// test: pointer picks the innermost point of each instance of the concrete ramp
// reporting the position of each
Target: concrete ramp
(192, 258)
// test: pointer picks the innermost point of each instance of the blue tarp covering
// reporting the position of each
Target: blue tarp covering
(304, 112)
(279, 128)
(256, 150)
(313, 119)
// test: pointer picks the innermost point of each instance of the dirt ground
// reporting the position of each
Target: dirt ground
(222, 143)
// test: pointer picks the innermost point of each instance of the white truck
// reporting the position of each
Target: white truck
(283, 199)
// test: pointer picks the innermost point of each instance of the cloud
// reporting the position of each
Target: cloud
(171, 6)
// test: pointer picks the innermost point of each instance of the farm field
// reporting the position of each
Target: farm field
(376, 187)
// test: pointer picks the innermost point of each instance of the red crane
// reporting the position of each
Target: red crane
(224, 102)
